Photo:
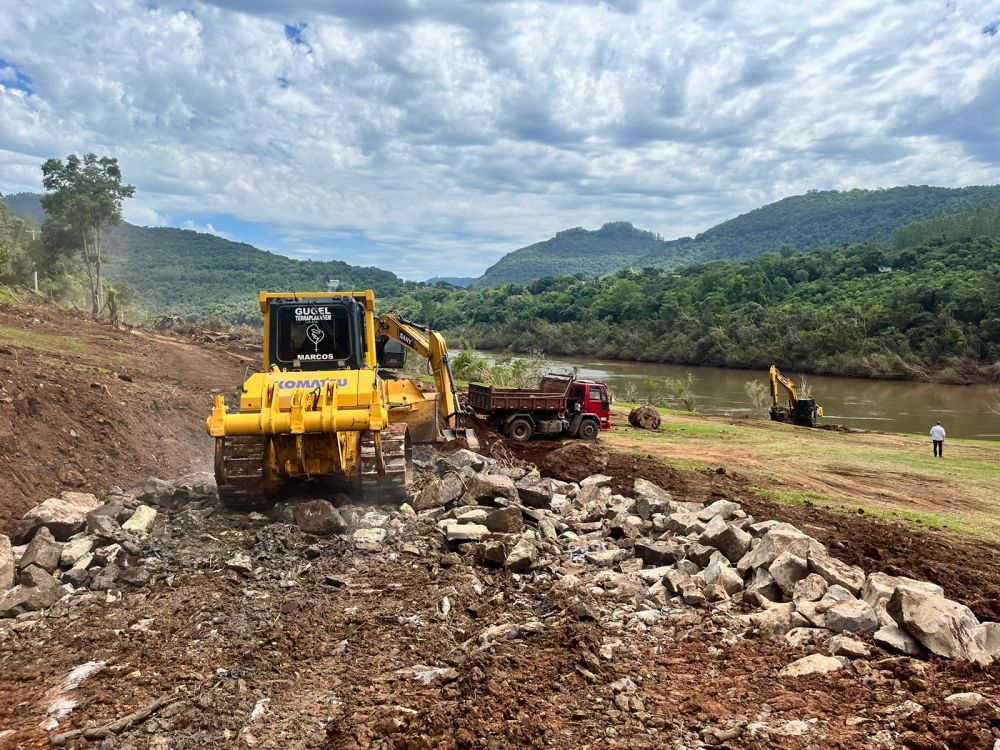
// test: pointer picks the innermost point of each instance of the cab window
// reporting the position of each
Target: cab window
(313, 336)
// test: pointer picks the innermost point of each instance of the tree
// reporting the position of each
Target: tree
(84, 198)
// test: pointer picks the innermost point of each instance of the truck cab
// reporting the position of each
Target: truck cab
(592, 398)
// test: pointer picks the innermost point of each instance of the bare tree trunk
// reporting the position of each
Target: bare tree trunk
(97, 262)
(89, 265)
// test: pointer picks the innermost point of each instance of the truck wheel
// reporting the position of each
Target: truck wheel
(520, 429)
(588, 429)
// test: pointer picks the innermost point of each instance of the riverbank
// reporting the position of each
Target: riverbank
(886, 475)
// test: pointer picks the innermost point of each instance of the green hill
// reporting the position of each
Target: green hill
(25, 205)
(814, 221)
(613, 246)
(197, 275)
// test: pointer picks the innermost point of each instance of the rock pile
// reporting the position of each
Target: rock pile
(76, 544)
(658, 552)
(645, 417)
(636, 560)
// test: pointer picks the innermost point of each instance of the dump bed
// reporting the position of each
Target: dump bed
(486, 399)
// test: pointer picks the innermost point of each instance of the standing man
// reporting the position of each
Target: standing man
(937, 437)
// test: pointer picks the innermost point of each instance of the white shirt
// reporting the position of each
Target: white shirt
(937, 432)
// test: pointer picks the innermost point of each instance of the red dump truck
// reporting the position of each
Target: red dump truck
(561, 406)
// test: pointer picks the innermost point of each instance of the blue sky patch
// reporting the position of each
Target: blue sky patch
(11, 77)
(992, 29)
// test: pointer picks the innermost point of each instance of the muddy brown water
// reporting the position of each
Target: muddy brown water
(884, 405)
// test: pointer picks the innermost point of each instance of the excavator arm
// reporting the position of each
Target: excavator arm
(778, 379)
(430, 345)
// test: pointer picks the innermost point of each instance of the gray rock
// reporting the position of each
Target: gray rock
(944, 627)
(812, 664)
(964, 701)
(879, 587)
(787, 569)
(775, 620)
(894, 638)
(465, 532)
(850, 616)
(699, 553)
(504, 521)
(600, 480)
(474, 515)
(836, 593)
(852, 648)
(488, 486)
(76, 577)
(606, 558)
(38, 590)
(369, 536)
(134, 575)
(726, 509)
(113, 553)
(319, 517)
(989, 638)
(812, 588)
(835, 572)
(730, 580)
(651, 498)
(42, 552)
(73, 550)
(520, 559)
(105, 579)
(800, 637)
(658, 554)
(103, 526)
(685, 523)
(439, 492)
(730, 540)
(537, 494)
(462, 459)
(491, 553)
(62, 516)
(6, 563)
(781, 538)
(763, 585)
(160, 493)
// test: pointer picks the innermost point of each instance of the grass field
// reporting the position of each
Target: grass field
(889, 475)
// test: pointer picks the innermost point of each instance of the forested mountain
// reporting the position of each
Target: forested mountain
(198, 275)
(613, 246)
(925, 305)
(25, 205)
(816, 220)
(462, 281)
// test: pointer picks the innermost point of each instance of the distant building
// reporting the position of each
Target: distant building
(332, 285)
(885, 269)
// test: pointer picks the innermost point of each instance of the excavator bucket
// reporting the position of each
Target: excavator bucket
(466, 434)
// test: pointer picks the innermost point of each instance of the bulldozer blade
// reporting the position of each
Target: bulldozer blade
(462, 433)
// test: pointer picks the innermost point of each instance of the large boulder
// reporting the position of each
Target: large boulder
(879, 587)
(781, 538)
(6, 564)
(787, 569)
(519, 560)
(489, 486)
(575, 461)
(835, 572)
(63, 516)
(850, 616)
(43, 552)
(504, 521)
(731, 541)
(944, 627)
(462, 459)
(141, 521)
(439, 492)
(319, 517)
(645, 417)
(38, 590)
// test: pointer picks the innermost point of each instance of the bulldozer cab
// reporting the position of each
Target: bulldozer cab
(325, 334)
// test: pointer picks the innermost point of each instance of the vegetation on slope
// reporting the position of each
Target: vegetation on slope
(814, 221)
(201, 275)
(866, 309)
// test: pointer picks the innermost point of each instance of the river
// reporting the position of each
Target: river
(885, 405)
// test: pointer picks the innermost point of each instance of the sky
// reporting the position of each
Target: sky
(431, 137)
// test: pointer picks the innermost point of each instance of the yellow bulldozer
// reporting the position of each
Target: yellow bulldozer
(326, 403)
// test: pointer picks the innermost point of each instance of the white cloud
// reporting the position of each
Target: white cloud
(449, 132)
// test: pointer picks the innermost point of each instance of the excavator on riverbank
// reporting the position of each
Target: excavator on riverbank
(327, 405)
(801, 410)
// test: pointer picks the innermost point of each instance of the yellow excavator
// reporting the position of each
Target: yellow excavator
(324, 407)
(800, 410)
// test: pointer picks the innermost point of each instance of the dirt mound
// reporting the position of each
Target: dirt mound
(574, 461)
(85, 406)
(645, 417)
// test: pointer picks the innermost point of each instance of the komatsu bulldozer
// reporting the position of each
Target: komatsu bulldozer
(322, 407)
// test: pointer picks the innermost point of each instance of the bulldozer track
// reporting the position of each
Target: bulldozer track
(386, 465)
(241, 471)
